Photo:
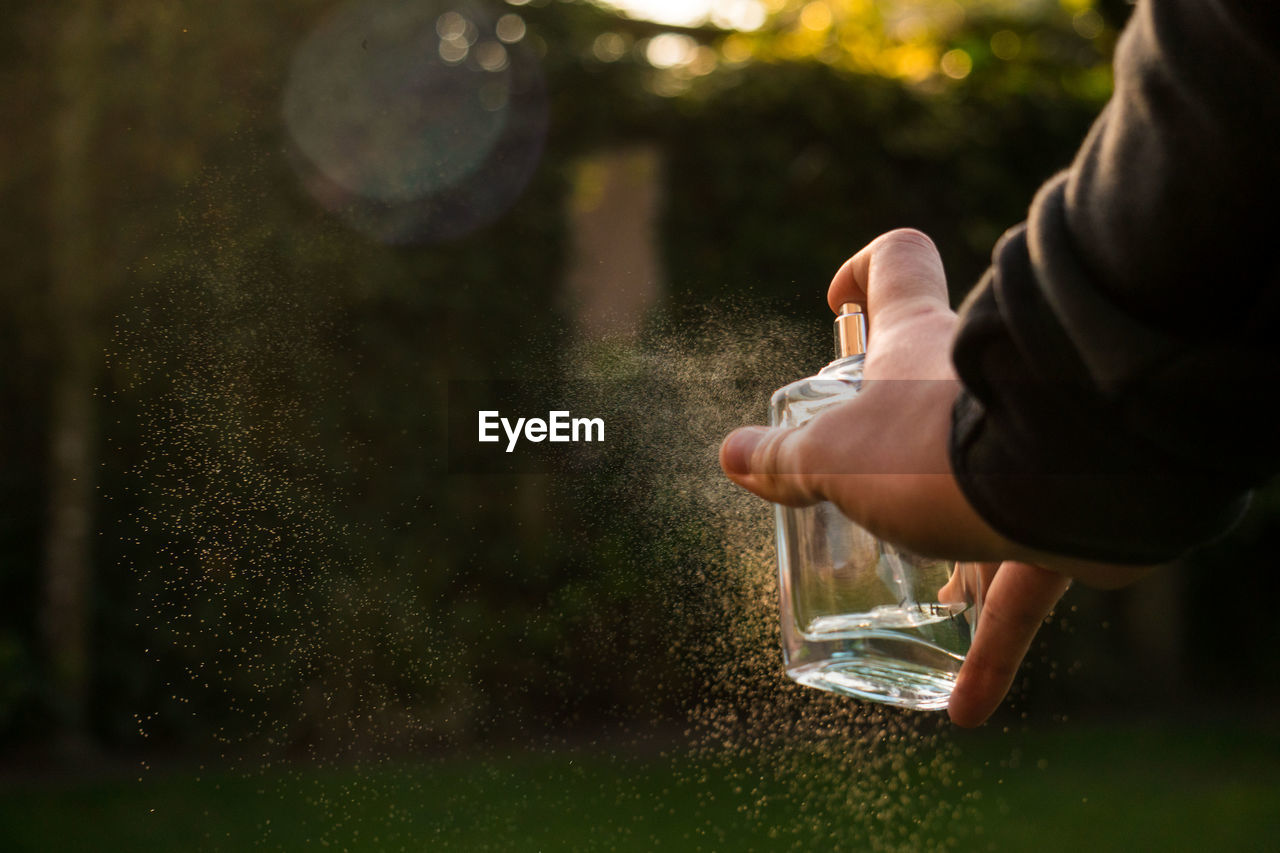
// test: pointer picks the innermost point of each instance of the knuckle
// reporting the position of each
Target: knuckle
(785, 457)
(768, 452)
(803, 452)
(1012, 618)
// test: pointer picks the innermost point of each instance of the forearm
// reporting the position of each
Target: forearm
(1111, 352)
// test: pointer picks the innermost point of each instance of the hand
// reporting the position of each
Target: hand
(1016, 598)
(882, 458)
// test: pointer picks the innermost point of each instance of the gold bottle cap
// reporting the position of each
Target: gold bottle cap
(851, 330)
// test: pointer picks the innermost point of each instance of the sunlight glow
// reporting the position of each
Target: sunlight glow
(671, 49)
(726, 14)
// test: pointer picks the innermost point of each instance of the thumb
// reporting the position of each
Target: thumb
(772, 463)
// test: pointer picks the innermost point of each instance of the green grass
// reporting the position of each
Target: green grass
(1202, 788)
(1205, 788)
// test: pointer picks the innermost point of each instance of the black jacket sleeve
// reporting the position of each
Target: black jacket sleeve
(1119, 356)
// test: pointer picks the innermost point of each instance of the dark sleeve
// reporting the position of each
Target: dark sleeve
(1119, 357)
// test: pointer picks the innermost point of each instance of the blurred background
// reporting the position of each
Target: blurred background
(248, 598)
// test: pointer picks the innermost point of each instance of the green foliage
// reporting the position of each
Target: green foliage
(785, 170)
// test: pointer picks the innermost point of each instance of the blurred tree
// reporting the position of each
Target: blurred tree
(926, 43)
(281, 553)
(76, 277)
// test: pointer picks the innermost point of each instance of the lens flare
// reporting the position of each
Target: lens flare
(415, 121)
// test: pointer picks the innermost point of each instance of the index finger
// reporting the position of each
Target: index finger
(901, 265)
(1020, 597)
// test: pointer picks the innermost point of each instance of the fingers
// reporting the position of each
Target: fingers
(968, 583)
(771, 463)
(897, 268)
(1020, 597)
(900, 269)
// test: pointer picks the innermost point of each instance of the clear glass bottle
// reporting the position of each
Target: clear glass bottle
(859, 615)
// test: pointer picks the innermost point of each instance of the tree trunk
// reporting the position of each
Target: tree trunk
(75, 280)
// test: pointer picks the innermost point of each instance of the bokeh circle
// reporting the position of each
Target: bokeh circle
(416, 120)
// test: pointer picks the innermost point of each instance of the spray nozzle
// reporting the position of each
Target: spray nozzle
(851, 330)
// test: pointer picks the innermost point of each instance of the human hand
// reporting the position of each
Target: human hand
(882, 458)
(1016, 599)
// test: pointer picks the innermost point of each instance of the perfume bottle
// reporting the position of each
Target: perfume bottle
(860, 616)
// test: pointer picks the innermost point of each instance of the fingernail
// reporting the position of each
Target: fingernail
(738, 448)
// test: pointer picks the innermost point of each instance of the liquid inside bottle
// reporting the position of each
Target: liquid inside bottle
(859, 615)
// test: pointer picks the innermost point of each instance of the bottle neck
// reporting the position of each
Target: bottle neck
(844, 364)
